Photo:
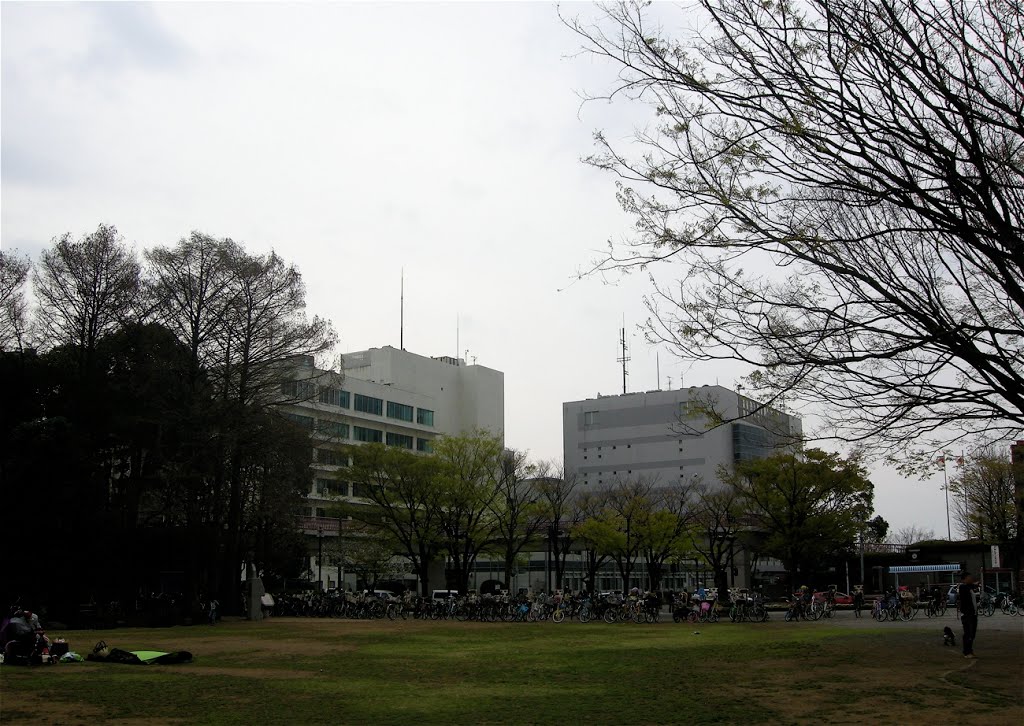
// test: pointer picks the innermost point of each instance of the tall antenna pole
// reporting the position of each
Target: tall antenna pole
(401, 315)
(657, 363)
(456, 338)
(625, 358)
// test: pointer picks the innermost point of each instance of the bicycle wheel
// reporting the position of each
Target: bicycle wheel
(609, 616)
(692, 617)
(558, 616)
(584, 614)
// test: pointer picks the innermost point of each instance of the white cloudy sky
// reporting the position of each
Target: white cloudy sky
(355, 139)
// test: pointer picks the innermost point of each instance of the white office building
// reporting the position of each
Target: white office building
(669, 436)
(388, 396)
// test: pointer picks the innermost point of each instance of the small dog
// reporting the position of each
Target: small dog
(948, 637)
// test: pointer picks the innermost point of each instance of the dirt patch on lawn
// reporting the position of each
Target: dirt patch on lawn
(20, 707)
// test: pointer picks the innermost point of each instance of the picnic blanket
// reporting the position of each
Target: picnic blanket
(105, 654)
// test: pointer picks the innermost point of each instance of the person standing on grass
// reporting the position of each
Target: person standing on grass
(858, 601)
(967, 603)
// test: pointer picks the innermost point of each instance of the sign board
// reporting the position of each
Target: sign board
(995, 556)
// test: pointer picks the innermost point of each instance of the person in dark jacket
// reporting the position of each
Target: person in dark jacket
(967, 603)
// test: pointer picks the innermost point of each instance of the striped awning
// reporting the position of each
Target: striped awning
(903, 569)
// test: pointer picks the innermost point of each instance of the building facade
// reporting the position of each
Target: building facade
(666, 438)
(382, 395)
(670, 436)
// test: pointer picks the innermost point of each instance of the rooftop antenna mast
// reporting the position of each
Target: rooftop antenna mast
(625, 358)
(657, 363)
(456, 338)
(401, 314)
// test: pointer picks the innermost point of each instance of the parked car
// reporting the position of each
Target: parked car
(443, 594)
(842, 598)
(997, 597)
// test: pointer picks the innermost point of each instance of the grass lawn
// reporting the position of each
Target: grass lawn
(299, 671)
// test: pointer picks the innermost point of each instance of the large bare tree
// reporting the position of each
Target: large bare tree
(86, 289)
(841, 183)
(191, 286)
(981, 494)
(13, 305)
(556, 495)
(517, 515)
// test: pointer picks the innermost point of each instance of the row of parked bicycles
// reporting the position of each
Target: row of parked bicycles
(609, 608)
(895, 607)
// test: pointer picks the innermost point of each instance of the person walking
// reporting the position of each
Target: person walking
(967, 603)
(858, 601)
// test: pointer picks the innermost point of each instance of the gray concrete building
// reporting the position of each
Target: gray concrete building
(669, 436)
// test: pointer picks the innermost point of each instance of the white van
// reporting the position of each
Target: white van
(443, 594)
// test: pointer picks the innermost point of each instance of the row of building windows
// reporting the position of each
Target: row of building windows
(305, 422)
(298, 390)
(399, 411)
(367, 435)
(399, 440)
(331, 457)
(335, 429)
(334, 397)
(369, 404)
(304, 390)
(334, 487)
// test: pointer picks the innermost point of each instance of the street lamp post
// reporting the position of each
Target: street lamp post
(320, 558)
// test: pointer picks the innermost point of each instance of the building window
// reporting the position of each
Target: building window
(321, 511)
(424, 417)
(298, 390)
(335, 429)
(324, 487)
(369, 404)
(330, 457)
(590, 418)
(424, 445)
(305, 422)
(364, 434)
(401, 440)
(360, 490)
(334, 397)
(399, 411)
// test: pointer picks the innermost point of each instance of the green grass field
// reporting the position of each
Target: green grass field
(299, 671)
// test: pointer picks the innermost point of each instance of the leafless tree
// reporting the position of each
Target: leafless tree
(86, 289)
(13, 305)
(517, 515)
(556, 492)
(911, 534)
(720, 516)
(981, 494)
(191, 288)
(842, 185)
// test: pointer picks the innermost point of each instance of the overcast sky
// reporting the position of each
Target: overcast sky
(355, 139)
